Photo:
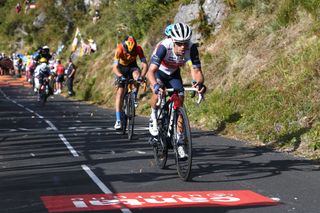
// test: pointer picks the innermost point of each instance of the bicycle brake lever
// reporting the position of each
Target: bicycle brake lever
(200, 99)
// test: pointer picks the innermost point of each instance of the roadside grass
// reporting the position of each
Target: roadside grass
(262, 69)
(264, 80)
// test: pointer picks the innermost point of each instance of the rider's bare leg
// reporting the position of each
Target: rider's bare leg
(119, 98)
(180, 120)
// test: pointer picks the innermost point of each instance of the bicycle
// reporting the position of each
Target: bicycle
(171, 112)
(129, 108)
(44, 90)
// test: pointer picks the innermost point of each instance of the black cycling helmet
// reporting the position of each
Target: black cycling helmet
(129, 44)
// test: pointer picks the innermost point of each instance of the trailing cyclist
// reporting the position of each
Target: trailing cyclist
(164, 71)
(167, 30)
(41, 72)
(125, 67)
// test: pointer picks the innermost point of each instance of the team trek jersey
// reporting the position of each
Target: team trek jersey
(169, 62)
(124, 58)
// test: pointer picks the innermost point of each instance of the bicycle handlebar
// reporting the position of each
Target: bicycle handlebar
(200, 96)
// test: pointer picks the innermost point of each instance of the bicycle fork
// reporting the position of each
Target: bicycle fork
(170, 127)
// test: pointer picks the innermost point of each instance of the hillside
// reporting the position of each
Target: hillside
(262, 68)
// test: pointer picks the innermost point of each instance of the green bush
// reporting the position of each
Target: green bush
(243, 4)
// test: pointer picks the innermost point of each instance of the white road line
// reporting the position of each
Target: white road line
(100, 184)
(29, 110)
(39, 116)
(68, 145)
(51, 125)
(95, 179)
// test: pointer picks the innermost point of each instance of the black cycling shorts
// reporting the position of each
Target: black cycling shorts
(127, 71)
(171, 81)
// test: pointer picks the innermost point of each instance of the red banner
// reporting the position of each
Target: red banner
(154, 200)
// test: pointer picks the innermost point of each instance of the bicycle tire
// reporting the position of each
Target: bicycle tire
(42, 97)
(131, 115)
(183, 165)
(160, 148)
(124, 114)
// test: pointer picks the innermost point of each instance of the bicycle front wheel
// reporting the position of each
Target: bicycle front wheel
(131, 115)
(124, 114)
(181, 125)
(160, 145)
(42, 97)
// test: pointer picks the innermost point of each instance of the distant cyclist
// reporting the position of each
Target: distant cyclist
(43, 52)
(167, 31)
(125, 67)
(42, 71)
(167, 34)
(164, 70)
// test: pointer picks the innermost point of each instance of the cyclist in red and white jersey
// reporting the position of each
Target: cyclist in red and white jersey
(164, 70)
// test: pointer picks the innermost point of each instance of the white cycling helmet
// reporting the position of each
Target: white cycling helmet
(181, 32)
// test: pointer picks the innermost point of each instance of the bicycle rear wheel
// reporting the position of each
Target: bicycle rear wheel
(183, 164)
(160, 147)
(131, 115)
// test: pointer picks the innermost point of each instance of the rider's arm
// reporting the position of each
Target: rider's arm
(116, 70)
(197, 75)
(144, 66)
(155, 63)
(144, 63)
(115, 67)
(195, 65)
(151, 74)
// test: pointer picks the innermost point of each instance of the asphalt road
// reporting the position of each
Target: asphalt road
(65, 157)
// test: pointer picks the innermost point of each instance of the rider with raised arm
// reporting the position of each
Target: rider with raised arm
(164, 70)
(125, 66)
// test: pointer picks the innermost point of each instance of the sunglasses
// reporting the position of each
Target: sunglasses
(181, 43)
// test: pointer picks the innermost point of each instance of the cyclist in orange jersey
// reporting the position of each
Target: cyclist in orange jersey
(125, 67)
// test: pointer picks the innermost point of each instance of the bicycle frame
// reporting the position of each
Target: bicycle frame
(176, 103)
(171, 111)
